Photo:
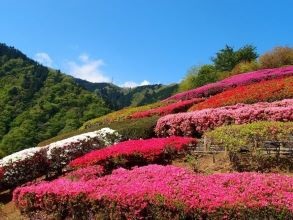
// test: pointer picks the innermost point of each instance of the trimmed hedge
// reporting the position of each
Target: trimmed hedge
(233, 137)
(129, 129)
(243, 143)
(265, 91)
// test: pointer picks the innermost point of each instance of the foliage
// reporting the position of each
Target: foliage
(161, 192)
(245, 67)
(198, 76)
(279, 56)
(197, 122)
(118, 98)
(234, 81)
(37, 103)
(226, 59)
(265, 91)
(249, 136)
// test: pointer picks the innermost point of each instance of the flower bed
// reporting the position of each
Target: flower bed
(266, 91)
(234, 81)
(135, 152)
(121, 115)
(180, 106)
(195, 123)
(162, 192)
(32, 163)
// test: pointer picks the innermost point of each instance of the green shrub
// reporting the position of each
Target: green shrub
(243, 142)
(245, 67)
(129, 129)
(233, 137)
(279, 56)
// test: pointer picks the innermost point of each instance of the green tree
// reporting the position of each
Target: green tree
(226, 59)
(198, 76)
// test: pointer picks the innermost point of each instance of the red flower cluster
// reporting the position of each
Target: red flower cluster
(152, 191)
(265, 91)
(180, 106)
(135, 152)
(234, 81)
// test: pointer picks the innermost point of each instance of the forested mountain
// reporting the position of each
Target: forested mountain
(117, 97)
(37, 102)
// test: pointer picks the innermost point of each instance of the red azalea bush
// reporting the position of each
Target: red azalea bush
(180, 106)
(266, 91)
(234, 81)
(162, 192)
(136, 152)
(197, 122)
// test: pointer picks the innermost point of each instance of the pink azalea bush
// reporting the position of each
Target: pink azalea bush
(180, 106)
(86, 173)
(234, 81)
(136, 152)
(197, 122)
(162, 192)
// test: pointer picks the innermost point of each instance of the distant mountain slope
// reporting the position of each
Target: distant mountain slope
(37, 102)
(117, 97)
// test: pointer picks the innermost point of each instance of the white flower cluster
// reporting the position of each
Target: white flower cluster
(20, 155)
(60, 152)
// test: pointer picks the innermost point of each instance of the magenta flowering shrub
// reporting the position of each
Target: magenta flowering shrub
(136, 152)
(86, 173)
(162, 192)
(234, 81)
(180, 106)
(197, 122)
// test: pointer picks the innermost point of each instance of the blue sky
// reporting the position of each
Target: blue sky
(135, 42)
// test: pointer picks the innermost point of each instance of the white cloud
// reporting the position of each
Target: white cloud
(131, 84)
(44, 59)
(88, 69)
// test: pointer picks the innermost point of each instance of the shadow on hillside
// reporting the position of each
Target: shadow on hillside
(6, 196)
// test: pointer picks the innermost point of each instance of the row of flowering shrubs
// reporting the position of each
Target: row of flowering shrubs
(136, 153)
(197, 122)
(161, 192)
(122, 114)
(180, 106)
(234, 81)
(266, 91)
(32, 163)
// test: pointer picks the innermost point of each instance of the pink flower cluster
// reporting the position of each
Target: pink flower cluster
(149, 150)
(195, 123)
(234, 81)
(180, 106)
(138, 193)
(86, 173)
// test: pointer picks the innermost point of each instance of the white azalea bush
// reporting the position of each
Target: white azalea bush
(31, 163)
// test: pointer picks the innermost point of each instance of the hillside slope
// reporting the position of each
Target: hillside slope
(117, 97)
(37, 102)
